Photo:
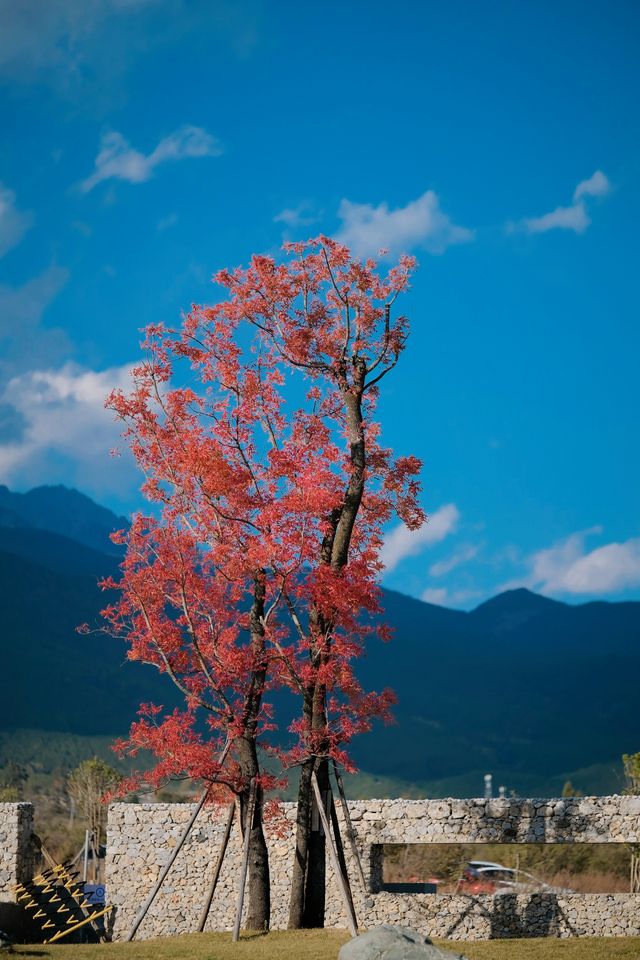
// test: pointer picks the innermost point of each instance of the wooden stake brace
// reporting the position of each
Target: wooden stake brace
(351, 833)
(351, 918)
(187, 830)
(165, 870)
(245, 860)
(217, 868)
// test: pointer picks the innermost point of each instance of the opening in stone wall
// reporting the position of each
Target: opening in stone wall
(498, 869)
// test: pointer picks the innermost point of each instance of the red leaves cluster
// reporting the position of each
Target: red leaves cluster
(230, 587)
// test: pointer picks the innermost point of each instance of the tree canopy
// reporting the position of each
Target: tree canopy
(258, 565)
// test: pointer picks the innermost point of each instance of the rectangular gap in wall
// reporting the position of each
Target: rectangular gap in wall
(485, 868)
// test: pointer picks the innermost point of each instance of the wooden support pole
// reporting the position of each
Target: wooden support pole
(218, 867)
(351, 834)
(340, 851)
(86, 856)
(245, 860)
(351, 919)
(165, 870)
(187, 830)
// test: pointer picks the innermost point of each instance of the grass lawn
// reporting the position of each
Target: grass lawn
(324, 945)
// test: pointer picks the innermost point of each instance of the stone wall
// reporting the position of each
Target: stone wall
(16, 860)
(141, 837)
(16, 851)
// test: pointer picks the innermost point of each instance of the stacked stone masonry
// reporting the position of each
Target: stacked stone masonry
(16, 849)
(16, 861)
(142, 836)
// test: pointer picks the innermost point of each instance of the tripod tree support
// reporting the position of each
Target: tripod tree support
(165, 870)
(346, 899)
(185, 833)
(337, 836)
(85, 861)
(245, 860)
(218, 867)
(351, 834)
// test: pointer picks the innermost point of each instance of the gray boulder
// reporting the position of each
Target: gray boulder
(394, 943)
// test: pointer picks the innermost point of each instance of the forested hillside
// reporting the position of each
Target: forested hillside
(529, 689)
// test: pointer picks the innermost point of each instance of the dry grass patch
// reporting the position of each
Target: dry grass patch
(550, 948)
(324, 945)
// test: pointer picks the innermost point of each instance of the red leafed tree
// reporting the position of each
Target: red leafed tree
(261, 567)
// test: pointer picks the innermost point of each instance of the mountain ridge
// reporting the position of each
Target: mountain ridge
(523, 686)
(62, 510)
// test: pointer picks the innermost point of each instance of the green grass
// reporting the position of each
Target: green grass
(324, 945)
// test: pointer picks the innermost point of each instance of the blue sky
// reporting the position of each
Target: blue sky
(148, 143)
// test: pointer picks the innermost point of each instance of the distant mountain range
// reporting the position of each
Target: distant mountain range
(524, 687)
(60, 510)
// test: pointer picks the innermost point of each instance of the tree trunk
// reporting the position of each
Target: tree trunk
(308, 880)
(258, 892)
(314, 900)
(308, 877)
(307, 904)
(303, 827)
(259, 898)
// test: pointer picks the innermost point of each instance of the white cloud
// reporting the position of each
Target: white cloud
(14, 223)
(596, 186)
(301, 216)
(568, 567)
(367, 230)
(442, 597)
(574, 217)
(562, 218)
(401, 542)
(118, 160)
(465, 553)
(65, 431)
(437, 595)
(608, 569)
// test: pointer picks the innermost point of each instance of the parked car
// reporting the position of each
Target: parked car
(484, 876)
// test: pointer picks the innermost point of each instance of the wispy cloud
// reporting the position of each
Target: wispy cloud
(562, 218)
(166, 222)
(367, 230)
(37, 37)
(568, 567)
(596, 186)
(401, 542)
(118, 160)
(460, 556)
(574, 217)
(83, 49)
(301, 216)
(443, 597)
(14, 223)
(24, 341)
(56, 427)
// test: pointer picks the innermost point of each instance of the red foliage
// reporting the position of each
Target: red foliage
(230, 587)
